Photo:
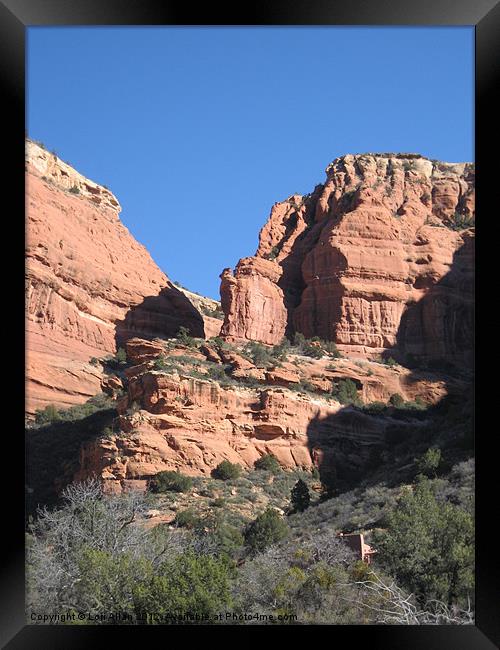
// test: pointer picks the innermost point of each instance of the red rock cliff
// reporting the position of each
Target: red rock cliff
(352, 259)
(89, 283)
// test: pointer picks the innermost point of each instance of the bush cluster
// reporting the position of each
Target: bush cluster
(346, 392)
(51, 414)
(267, 529)
(184, 337)
(315, 347)
(169, 481)
(269, 463)
(226, 471)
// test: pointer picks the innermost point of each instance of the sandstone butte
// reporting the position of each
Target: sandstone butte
(89, 284)
(368, 260)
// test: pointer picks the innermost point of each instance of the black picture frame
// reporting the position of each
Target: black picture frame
(15, 17)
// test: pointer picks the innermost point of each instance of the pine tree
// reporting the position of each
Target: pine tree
(301, 497)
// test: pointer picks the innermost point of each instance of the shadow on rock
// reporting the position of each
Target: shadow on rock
(161, 315)
(52, 455)
(437, 332)
(436, 341)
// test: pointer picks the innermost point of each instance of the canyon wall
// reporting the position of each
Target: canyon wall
(350, 261)
(180, 418)
(89, 284)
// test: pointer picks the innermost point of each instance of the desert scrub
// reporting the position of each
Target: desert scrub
(269, 463)
(170, 482)
(460, 222)
(396, 400)
(267, 529)
(51, 414)
(259, 354)
(345, 391)
(226, 471)
(184, 337)
(188, 518)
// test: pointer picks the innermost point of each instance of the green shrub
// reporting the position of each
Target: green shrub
(428, 463)
(121, 356)
(460, 222)
(216, 312)
(47, 415)
(184, 337)
(229, 539)
(267, 529)
(219, 342)
(268, 462)
(107, 432)
(108, 579)
(330, 347)
(417, 405)
(306, 347)
(305, 385)
(396, 400)
(390, 362)
(191, 584)
(51, 414)
(346, 392)
(300, 496)
(374, 408)
(218, 373)
(169, 481)
(74, 190)
(161, 363)
(187, 519)
(281, 350)
(428, 547)
(312, 351)
(273, 254)
(226, 471)
(259, 354)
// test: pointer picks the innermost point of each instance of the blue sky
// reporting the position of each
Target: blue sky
(198, 131)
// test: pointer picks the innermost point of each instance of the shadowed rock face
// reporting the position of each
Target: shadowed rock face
(344, 262)
(440, 327)
(88, 282)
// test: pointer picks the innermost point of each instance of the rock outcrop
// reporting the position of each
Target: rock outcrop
(181, 419)
(192, 424)
(209, 309)
(89, 284)
(347, 262)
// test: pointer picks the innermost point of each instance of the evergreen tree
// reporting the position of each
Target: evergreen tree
(301, 497)
(428, 546)
(269, 528)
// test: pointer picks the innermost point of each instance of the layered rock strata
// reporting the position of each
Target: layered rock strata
(172, 420)
(348, 261)
(89, 284)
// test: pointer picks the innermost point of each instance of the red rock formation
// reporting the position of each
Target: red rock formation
(253, 302)
(89, 283)
(347, 261)
(193, 424)
(171, 420)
